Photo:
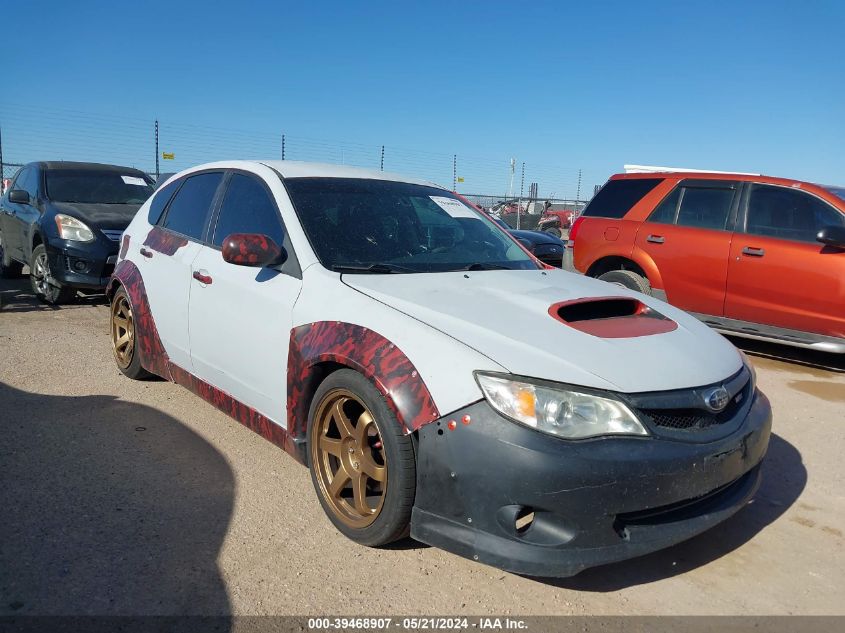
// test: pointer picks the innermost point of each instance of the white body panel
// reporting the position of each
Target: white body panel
(505, 315)
(168, 280)
(240, 331)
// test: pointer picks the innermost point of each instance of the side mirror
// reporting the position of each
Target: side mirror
(832, 236)
(19, 196)
(252, 249)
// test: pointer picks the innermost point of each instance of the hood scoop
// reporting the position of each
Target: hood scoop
(612, 317)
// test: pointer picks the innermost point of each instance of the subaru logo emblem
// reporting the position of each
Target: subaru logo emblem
(717, 399)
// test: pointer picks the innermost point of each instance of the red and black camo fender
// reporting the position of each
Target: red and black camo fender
(250, 249)
(164, 242)
(365, 351)
(147, 342)
(247, 416)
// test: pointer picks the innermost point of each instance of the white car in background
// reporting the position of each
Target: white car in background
(435, 377)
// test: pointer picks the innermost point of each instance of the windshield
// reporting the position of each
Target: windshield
(839, 192)
(377, 226)
(103, 187)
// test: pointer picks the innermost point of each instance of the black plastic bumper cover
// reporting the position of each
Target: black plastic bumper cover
(593, 501)
(96, 259)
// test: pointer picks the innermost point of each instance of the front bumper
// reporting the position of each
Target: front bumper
(86, 265)
(594, 501)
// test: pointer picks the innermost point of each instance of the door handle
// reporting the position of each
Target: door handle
(202, 276)
(753, 252)
(146, 253)
(655, 239)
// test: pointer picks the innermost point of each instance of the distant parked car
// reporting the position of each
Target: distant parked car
(544, 246)
(556, 219)
(750, 255)
(64, 220)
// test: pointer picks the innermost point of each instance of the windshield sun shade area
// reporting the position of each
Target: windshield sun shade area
(378, 226)
(90, 186)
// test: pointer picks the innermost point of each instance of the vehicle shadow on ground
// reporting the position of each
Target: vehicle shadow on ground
(16, 296)
(784, 478)
(109, 508)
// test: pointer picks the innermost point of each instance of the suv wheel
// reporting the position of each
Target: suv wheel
(627, 279)
(44, 285)
(9, 269)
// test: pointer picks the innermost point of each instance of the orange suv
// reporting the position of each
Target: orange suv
(750, 255)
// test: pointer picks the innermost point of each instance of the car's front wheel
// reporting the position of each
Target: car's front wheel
(44, 285)
(362, 464)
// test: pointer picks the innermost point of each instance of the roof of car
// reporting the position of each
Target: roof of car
(56, 165)
(708, 175)
(297, 169)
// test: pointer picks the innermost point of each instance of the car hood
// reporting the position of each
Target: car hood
(505, 315)
(100, 216)
(537, 237)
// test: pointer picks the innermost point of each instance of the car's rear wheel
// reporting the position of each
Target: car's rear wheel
(123, 337)
(44, 285)
(362, 464)
(553, 230)
(9, 269)
(627, 279)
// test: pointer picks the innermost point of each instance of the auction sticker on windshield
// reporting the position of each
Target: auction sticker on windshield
(455, 208)
(133, 180)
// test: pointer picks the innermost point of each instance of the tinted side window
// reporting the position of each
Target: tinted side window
(27, 180)
(618, 196)
(667, 210)
(189, 209)
(705, 208)
(788, 214)
(247, 208)
(160, 200)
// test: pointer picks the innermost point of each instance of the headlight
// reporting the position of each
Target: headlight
(747, 362)
(560, 411)
(72, 229)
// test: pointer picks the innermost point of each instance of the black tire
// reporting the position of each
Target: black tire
(9, 269)
(627, 279)
(553, 230)
(41, 279)
(393, 519)
(131, 366)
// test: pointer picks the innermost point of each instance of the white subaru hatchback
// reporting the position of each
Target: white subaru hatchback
(436, 378)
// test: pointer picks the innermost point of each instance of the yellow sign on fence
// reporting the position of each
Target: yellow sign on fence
(168, 156)
(460, 179)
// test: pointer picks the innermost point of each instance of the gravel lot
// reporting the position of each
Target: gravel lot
(124, 497)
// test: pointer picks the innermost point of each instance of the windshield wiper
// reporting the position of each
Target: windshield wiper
(485, 266)
(376, 269)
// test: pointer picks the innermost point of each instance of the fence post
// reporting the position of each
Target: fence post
(156, 150)
(381, 165)
(454, 172)
(578, 191)
(283, 146)
(2, 171)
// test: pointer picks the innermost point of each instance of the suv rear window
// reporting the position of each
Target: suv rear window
(617, 197)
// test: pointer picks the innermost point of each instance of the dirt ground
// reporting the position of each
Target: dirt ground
(122, 497)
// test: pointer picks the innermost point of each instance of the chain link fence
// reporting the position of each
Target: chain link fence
(35, 132)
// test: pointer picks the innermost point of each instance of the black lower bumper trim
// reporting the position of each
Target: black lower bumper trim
(588, 503)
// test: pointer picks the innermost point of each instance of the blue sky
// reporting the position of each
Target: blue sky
(748, 86)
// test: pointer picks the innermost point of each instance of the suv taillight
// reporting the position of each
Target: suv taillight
(573, 231)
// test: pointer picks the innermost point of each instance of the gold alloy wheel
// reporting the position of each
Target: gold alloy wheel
(347, 455)
(122, 331)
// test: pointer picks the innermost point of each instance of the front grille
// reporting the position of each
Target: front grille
(113, 235)
(696, 419)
